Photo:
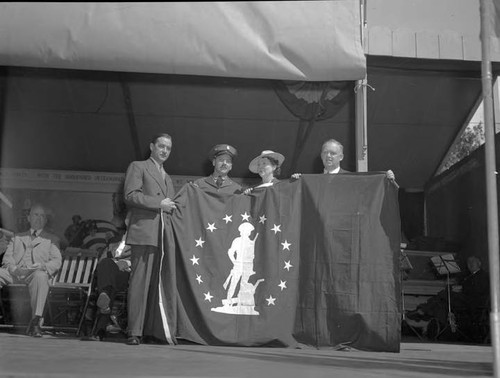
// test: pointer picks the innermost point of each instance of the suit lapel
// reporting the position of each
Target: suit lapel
(24, 239)
(210, 181)
(153, 171)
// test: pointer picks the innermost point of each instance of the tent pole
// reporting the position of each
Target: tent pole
(134, 135)
(486, 10)
(360, 107)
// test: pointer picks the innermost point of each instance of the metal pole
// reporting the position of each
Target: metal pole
(360, 106)
(486, 10)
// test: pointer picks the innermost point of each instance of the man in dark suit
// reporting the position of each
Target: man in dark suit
(33, 257)
(148, 192)
(221, 156)
(332, 153)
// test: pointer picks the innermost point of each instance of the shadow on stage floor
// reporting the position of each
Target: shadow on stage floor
(64, 355)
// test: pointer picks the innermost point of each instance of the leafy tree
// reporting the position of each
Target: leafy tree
(470, 140)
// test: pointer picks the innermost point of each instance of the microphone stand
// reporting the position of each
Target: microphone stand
(451, 320)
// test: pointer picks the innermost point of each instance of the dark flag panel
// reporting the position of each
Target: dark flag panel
(349, 266)
(313, 261)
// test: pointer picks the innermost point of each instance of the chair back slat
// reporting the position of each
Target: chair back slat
(71, 271)
(89, 268)
(77, 267)
(61, 276)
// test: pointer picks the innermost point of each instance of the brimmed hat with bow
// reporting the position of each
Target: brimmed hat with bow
(253, 167)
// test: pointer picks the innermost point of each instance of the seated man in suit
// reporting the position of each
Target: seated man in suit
(32, 257)
(221, 156)
(111, 276)
(4, 242)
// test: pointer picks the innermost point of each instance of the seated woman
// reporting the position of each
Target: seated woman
(267, 165)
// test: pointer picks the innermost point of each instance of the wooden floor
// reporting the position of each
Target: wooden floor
(64, 355)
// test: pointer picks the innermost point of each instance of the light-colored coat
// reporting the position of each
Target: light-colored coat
(44, 250)
(144, 190)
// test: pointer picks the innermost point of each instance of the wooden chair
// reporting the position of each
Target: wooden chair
(71, 288)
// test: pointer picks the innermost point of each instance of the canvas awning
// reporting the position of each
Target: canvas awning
(309, 40)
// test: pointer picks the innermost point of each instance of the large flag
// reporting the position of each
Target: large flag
(313, 261)
(350, 289)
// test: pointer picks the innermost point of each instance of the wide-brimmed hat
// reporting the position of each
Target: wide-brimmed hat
(220, 149)
(267, 153)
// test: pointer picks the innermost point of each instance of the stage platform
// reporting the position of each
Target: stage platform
(66, 356)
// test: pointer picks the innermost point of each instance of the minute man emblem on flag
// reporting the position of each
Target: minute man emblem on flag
(247, 239)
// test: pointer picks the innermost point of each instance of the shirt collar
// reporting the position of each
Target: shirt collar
(224, 178)
(158, 165)
(336, 170)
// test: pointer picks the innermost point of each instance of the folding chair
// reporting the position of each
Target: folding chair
(71, 288)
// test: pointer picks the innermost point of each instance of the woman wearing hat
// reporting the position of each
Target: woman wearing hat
(267, 165)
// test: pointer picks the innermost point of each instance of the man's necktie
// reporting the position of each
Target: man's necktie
(218, 181)
(33, 236)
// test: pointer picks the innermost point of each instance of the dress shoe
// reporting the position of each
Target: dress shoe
(133, 340)
(103, 303)
(114, 327)
(29, 329)
(90, 338)
(99, 336)
(433, 329)
(37, 331)
(34, 327)
(111, 328)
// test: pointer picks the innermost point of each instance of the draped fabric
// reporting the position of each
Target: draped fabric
(311, 102)
(314, 101)
(278, 40)
(312, 261)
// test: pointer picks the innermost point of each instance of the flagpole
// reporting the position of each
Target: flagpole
(486, 10)
(360, 105)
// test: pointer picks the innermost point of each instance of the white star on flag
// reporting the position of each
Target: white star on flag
(198, 278)
(245, 216)
(227, 218)
(282, 285)
(194, 260)
(211, 227)
(199, 242)
(262, 219)
(270, 300)
(288, 265)
(276, 229)
(208, 296)
(285, 245)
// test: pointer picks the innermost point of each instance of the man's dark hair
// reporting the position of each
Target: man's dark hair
(158, 136)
